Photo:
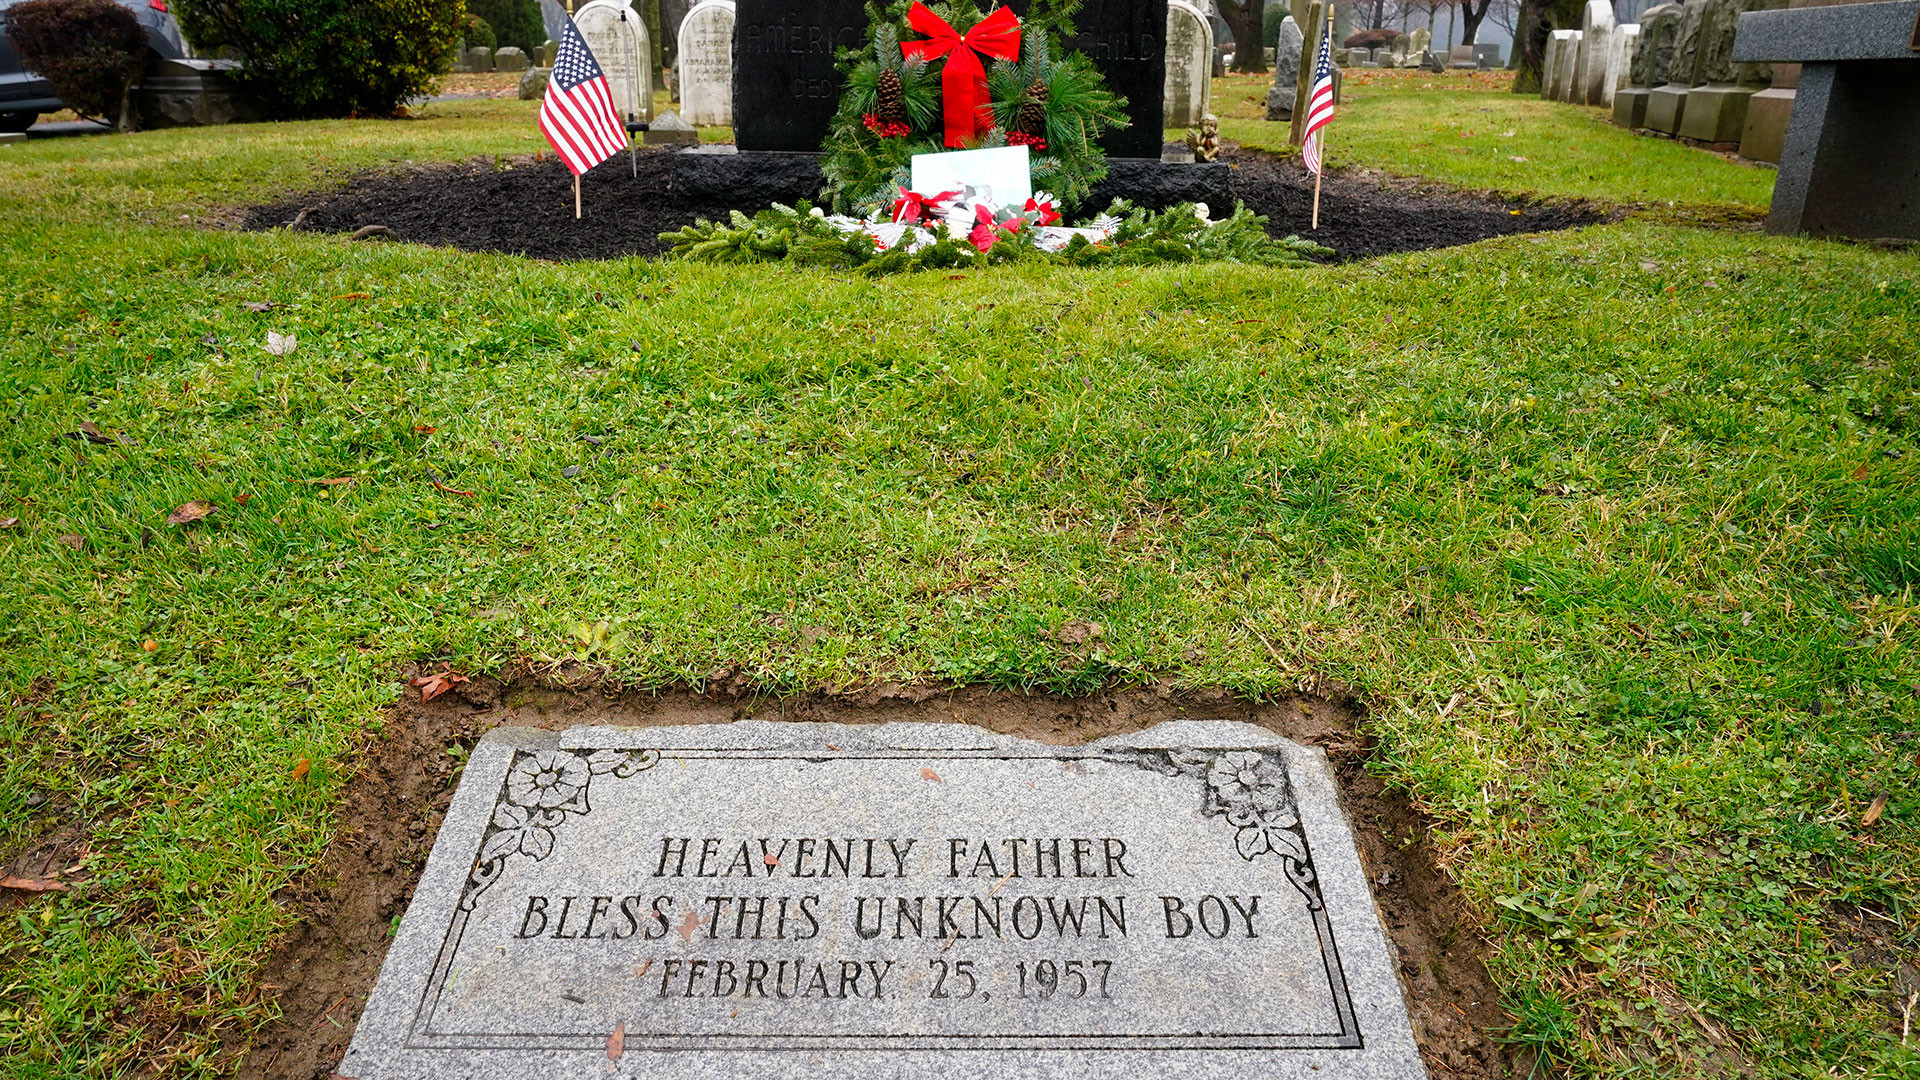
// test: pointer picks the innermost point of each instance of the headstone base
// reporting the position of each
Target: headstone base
(193, 93)
(1666, 105)
(1280, 101)
(1766, 130)
(744, 180)
(1715, 114)
(1157, 185)
(1630, 107)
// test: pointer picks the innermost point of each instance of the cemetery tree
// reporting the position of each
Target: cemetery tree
(1246, 18)
(514, 22)
(89, 51)
(1471, 15)
(1538, 20)
(315, 58)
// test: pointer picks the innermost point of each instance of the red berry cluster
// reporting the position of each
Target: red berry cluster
(1021, 138)
(884, 130)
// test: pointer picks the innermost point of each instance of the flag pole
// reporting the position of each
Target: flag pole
(576, 176)
(1316, 189)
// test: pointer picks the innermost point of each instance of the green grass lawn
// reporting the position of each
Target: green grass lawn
(1466, 128)
(1615, 532)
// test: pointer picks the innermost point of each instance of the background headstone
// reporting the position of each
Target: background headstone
(705, 74)
(1667, 103)
(1487, 53)
(1418, 43)
(1626, 41)
(549, 52)
(510, 58)
(1188, 91)
(533, 83)
(1560, 75)
(668, 129)
(1590, 60)
(1286, 69)
(1769, 110)
(1399, 49)
(1462, 57)
(479, 58)
(618, 37)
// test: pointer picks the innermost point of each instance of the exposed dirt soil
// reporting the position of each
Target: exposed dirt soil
(321, 972)
(528, 208)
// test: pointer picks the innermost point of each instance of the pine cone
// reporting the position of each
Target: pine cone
(1033, 112)
(892, 99)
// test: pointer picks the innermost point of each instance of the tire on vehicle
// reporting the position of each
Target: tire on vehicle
(15, 122)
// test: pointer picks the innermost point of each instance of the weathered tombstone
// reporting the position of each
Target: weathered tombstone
(1400, 49)
(682, 903)
(1626, 40)
(479, 58)
(1652, 57)
(1487, 55)
(1565, 45)
(1667, 102)
(618, 37)
(1461, 57)
(1851, 161)
(510, 59)
(1717, 110)
(1188, 91)
(1590, 59)
(549, 52)
(1286, 69)
(1418, 43)
(705, 71)
(1549, 59)
(533, 83)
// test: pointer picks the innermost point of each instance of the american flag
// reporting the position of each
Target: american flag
(577, 116)
(1319, 103)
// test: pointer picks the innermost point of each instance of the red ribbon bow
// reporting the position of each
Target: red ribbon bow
(963, 82)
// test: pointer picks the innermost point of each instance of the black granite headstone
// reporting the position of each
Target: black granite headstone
(785, 88)
(1126, 40)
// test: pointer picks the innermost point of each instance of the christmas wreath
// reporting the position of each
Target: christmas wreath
(925, 84)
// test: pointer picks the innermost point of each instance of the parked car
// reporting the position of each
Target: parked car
(24, 96)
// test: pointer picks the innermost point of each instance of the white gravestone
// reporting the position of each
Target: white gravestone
(1626, 42)
(787, 901)
(1590, 62)
(1568, 45)
(705, 73)
(1189, 84)
(618, 37)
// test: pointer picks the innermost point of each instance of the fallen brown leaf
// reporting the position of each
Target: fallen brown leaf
(30, 884)
(92, 433)
(617, 1042)
(354, 296)
(432, 686)
(929, 774)
(8, 523)
(1874, 810)
(242, 498)
(424, 429)
(335, 481)
(191, 511)
(149, 645)
(74, 541)
(1860, 471)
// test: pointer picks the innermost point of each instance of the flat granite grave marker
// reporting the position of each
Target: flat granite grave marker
(906, 900)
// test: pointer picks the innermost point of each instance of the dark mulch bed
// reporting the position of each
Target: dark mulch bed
(526, 207)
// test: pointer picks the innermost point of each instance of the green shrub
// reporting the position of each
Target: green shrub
(514, 22)
(1270, 26)
(89, 51)
(309, 58)
(478, 32)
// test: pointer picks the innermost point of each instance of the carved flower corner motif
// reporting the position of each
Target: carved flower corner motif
(542, 788)
(1253, 793)
(549, 780)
